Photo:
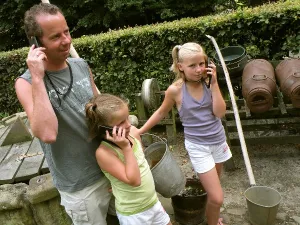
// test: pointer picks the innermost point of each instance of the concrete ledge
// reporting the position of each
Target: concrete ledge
(14, 209)
(35, 204)
(12, 196)
(41, 189)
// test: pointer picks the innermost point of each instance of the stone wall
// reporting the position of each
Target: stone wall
(35, 204)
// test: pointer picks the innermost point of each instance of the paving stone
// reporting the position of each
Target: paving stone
(296, 219)
(246, 223)
(236, 211)
(281, 216)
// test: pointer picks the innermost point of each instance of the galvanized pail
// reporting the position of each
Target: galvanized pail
(262, 204)
(235, 58)
(168, 177)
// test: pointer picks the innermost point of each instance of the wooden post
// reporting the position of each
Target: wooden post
(171, 128)
(229, 164)
(142, 115)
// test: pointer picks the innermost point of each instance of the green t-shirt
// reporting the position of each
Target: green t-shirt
(131, 200)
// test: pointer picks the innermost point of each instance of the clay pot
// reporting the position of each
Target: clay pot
(259, 85)
(288, 75)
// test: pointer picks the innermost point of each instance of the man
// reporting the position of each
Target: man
(53, 92)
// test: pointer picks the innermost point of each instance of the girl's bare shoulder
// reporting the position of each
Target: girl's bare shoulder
(175, 87)
(104, 150)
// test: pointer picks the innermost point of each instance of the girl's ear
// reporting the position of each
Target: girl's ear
(179, 66)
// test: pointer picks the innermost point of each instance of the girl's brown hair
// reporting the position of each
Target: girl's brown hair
(100, 111)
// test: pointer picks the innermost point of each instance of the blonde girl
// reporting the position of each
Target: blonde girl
(121, 158)
(200, 108)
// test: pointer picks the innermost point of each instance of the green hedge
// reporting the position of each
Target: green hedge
(122, 59)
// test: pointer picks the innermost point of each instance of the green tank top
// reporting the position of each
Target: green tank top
(131, 200)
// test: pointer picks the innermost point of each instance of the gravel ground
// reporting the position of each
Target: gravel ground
(275, 166)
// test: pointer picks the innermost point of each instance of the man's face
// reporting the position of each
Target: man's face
(56, 37)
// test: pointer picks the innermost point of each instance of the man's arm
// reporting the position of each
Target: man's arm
(35, 101)
(34, 98)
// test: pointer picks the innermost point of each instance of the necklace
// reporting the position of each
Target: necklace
(57, 91)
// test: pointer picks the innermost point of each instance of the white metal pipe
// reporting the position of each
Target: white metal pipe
(236, 114)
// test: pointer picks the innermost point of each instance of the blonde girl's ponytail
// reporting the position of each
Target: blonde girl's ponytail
(175, 57)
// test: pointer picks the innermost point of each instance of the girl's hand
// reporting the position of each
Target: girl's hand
(118, 137)
(212, 71)
(35, 62)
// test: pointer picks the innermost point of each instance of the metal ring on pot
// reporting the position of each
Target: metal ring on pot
(230, 54)
(234, 68)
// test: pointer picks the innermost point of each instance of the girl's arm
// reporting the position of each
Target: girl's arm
(162, 111)
(127, 172)
(219, 106)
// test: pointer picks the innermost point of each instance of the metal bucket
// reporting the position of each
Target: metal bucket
(189, 206)
(259, 85)
(168, 177)
(288, 75)
(262, 204)
(235, 59)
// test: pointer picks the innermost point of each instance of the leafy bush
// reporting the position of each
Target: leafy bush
(121, 60)
(93, 16)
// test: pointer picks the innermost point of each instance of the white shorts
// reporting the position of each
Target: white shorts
(204, 157)
(88, 206)
(156, 215)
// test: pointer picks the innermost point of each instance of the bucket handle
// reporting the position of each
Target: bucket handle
(162, 139)
(295, 74)
(259, 77)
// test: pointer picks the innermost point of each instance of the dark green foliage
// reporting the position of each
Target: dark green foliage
(95, 16)
(122, 60)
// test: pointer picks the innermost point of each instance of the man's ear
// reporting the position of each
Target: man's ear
(179, 66)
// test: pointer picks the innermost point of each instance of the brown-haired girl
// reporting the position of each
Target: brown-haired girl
(121, 158)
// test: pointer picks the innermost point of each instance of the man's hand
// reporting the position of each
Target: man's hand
(35, 62)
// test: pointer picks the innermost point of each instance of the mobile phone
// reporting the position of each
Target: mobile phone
(207, 82)
(110, 129)
(208, 61)
(34, 41)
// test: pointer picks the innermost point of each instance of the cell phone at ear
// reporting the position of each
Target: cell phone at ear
(209, 76)
(110, 129)
(34, 41)
(208, 62)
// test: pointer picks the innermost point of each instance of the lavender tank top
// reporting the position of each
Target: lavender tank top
(201, 126)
